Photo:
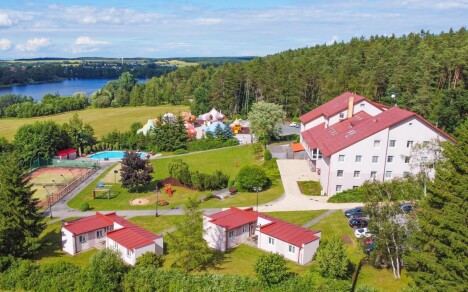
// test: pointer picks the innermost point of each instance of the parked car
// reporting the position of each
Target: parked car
(356, 223)
(294, 124)
(407, 207)
(362, 232)
(355, 212)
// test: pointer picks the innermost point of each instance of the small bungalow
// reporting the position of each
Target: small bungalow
(69, 153)
(226, 229)
(109, 231)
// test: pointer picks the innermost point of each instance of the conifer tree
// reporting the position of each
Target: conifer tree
(20, 220)
(438, 258)
(135, 171)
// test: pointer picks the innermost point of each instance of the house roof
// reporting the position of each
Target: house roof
(131, 236)
(287, 232)
(65, 152)
(332, 107)
(90, 223)
(336, 137)
(233, 218)
(297, 147)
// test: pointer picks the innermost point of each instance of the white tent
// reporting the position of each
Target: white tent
(213, 116)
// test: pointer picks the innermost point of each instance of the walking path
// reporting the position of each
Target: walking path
(319, 218)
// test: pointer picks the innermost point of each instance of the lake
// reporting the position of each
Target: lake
(64, 88)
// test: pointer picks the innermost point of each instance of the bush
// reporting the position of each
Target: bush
(257, 148)
(216, 181)
(231, 182)
(271, 269)
(251, 176)
(84, 206)
(332, 260)
(180, 170)
(150, 259)
(267, 154)
(348, 196)
(180, 151)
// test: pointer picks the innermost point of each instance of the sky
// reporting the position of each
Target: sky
(190, 28)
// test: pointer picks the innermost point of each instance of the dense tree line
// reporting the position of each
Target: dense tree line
(426, 72)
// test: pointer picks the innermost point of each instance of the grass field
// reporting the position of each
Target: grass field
(103, 120)
(156, 224)
(177, 63)
(297, 217)
(206, 162)
(337, 225)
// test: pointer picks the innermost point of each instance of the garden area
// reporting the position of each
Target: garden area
(228, 160)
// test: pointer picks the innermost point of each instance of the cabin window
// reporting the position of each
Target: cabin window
(341, 158)
(373, 174)
(99, 234)
(129, 253)
(271, 241)
(231, 234)
(82, 238)
(376, 143)
(338, 188)
(388, 174)
(116, 245)
(409, 144)
(339, 173)
(292, 249)
(245, 228)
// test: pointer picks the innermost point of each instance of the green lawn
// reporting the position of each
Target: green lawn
(297, 217)
(51, 251)
(337, 225)
(103, 120)
(207, 162)
(156, 224)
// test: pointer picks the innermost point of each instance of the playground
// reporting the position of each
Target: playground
(50, 180)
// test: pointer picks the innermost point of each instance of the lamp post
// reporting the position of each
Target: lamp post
(48, 201)
(115, 176)
(72, 173)
(81, 172)
(257, 189)
(66, 182)
(157, 199)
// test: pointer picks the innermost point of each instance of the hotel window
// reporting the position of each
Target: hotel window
(357, 173)
(341, 158)
(292, 249)
(409, 144)
(338, 188)
(339, 173)
(271, 241)
(390, 159)
(375, 159)
(82, 238)
(99, 234)
(129, 253)
(358, 158)
(231, 234)
(373, 174)
(392, 143)
(376, 143)
(407, 159)
(388, 174)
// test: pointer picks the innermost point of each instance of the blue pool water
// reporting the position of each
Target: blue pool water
(113, 155)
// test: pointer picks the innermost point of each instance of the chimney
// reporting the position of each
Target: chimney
(350, 106)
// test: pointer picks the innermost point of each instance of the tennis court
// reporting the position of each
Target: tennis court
(50, 180)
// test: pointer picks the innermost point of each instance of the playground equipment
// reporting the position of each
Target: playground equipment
(168, 189)
(169, 118)
(236, 128)
(101, 190)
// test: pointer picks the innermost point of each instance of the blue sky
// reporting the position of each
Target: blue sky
(163, 28)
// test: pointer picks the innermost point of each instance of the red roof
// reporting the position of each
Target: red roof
(233, 218)
(66, 151)
(348, 132)
(287, 232)
(297, 147)
(332, 107)
(90, 223)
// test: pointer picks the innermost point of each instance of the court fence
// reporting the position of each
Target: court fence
(78, 163)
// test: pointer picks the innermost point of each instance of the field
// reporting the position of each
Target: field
(102, 120)
(51, 180)
(206, 162)
(178, 63)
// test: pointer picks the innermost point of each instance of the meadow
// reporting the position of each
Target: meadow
(103, 120)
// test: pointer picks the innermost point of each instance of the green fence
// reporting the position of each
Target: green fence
(79, 163)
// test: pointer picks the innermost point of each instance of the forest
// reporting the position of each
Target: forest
(425, 72)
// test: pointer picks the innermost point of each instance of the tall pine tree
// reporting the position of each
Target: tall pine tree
(20, 220)
(438, 258)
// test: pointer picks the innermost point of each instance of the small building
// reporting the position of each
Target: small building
(69, 153)
(109, 231)
(229, 228)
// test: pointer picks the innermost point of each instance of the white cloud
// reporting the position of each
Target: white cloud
(206, 21)
(5, 44)
(87, 41)
(332, 41)
(33, 44)
(5, 19)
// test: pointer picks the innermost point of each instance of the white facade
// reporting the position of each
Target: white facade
(74, 244)
(221, 239)
(129, 255)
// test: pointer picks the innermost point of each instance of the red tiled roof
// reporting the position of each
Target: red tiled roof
(90, 223)
(65, 152)
(132, 236)
(288, 232)
(332, 107)
(233, 218)
(297, 147)
(350, 131)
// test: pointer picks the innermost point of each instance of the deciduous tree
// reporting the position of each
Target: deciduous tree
(81, 134)
(135, 171)
(332, 259)
(265, 119)
(271, 269)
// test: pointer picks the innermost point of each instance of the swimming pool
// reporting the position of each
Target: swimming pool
(113, 155)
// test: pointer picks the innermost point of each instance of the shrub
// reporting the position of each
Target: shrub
(180, 170)
(84, 206)
(267, 154)
(257, 148)
(348, 196)
(150, 259)
(180, 151)
(231, 182)
(271, 269)
(87, 150)
(251, 176)
(332, 259)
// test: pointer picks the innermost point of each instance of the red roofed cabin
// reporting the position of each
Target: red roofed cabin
(351, 139)
(69, 153)
(226, 229)
(110, 231)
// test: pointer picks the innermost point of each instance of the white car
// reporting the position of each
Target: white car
(294, 124)
(362, 232)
